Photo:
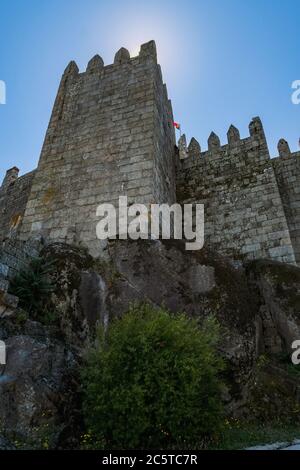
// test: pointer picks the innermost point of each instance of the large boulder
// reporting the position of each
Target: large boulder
(278, 290)
(38, 387)
(197, 283)
(257, 306)
(80, 291)
(92, 291)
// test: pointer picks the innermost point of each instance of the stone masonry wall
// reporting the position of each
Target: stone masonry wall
(287, 170)
(164, 144)
(16, 255)
(14, 194)
(237, 184)
(110, 134)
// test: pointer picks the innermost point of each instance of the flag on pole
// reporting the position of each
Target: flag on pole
(176, 125)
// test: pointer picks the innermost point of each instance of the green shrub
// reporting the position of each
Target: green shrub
(153, 381)
(33, 286)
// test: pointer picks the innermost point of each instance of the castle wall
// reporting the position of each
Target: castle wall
(14, 194)
(237, 185)
(287, 170)
(16, 255)
(110, 134)
(164, 177)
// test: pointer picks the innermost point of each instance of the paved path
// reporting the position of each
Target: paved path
(294, 445)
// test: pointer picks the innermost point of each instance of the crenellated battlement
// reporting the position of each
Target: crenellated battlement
(239, 185)
(215, 150)
(111, 133)
(287, 171)
(122, 57)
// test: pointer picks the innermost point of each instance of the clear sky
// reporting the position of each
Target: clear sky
(224, 61)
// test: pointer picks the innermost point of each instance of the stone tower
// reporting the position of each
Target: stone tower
(110, 134)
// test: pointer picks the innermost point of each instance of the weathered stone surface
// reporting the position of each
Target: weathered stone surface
(256, 128)
(283, 148)
(13, 199)
(201, 283)
(36, 399)
(183, 151)
(240, 188)
(148, 50)
(4, 284)
(77, 297)
(71, 70)
(233, 135)
(201, 278)
(96, 64)
(10, 177)
(257, 308)
(287, 171)
(194, 148)
(213, 142)
(8, 304)
(92, 297)
(111, 133)
(279, 287)
(122, 56)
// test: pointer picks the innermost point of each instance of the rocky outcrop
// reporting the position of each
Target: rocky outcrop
(5, 444)
(257, 306)
(38, 386)
(278, 288)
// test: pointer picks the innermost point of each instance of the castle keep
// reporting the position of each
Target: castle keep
(111, 133)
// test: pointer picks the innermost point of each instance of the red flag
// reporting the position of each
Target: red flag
(175, 124)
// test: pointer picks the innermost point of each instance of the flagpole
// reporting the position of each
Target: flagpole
(177, 127)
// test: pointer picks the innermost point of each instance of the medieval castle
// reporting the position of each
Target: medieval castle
(111, 133)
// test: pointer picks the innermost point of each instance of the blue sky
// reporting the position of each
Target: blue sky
(224, 61)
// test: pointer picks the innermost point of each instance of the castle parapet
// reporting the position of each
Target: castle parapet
(283, 148)
(96, 64)
(122, 56)
(256, 128)
(183, 152)
(235, 145)
(148, 51)
(194, 148)
(213, 142)
(233, 135)
(10, 177)
(71, 70)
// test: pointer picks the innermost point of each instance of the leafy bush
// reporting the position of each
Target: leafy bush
(153, 381)
(33, 286)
